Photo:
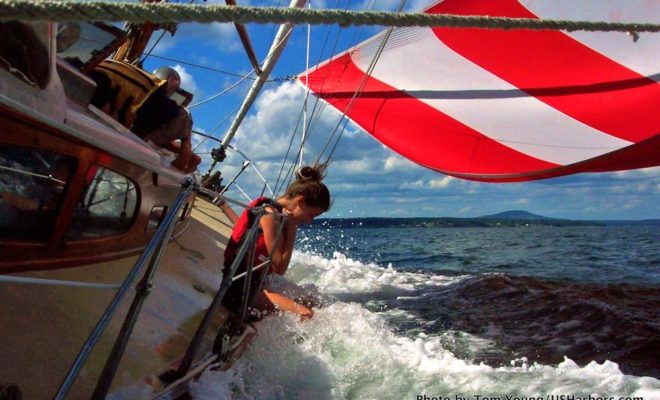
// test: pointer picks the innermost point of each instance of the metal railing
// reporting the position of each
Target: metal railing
(152, 254)
(229, 276)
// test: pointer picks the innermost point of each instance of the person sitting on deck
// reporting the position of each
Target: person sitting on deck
(141, 102)
(304, 199)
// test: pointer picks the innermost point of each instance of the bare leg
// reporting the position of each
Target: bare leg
(167, 135)
(187, 161)
(185, 153)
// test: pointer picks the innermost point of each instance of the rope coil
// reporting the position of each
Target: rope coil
(60, 11)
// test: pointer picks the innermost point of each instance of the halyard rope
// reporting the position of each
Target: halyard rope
(61, 11)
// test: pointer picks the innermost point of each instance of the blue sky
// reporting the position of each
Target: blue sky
(366, 178)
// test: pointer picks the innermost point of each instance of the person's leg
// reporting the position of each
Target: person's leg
(195, 160)
(185, 153)
(187, 161)
(167, 135)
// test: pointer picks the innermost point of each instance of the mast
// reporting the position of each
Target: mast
(273, 55)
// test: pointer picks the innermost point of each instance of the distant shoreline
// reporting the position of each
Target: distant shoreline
(479, 222)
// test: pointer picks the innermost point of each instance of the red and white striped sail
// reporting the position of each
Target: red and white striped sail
(503, 106)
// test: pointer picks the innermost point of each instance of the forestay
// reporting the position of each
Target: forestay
(508, 105)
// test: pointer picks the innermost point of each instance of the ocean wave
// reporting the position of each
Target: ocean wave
(346, 352)
(391, 334)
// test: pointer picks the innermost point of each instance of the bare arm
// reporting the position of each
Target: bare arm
(281, 255)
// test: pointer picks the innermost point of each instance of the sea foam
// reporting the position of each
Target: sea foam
(348, 351)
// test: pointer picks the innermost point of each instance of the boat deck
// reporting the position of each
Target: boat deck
(42, 327)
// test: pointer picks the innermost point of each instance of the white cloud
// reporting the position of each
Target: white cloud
(441, 183)
(418, 184)
(407, 200)
(363, 166)
(396, 162)
(266, 133)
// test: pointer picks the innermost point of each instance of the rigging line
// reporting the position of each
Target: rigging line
(368, 73)
(147, 54)
(270, 54)
(325, 41)
(217, 127)
(354, 39)
(341, 119)
(332, 52)
(286, 156)
(289, 175)
(202, 66)
(48, 177)
(275, 51)
(222, 92)
(242, 191)
(302, 115)
(304, 129)
(334, 47)
(313, 114)
(316, 117)
(256, 170)
(288, 150)
(58, 11)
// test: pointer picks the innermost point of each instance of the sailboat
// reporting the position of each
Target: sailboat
(87, 209)
(82, 195)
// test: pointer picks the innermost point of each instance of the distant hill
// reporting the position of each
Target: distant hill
(517, 214)
(512, 218)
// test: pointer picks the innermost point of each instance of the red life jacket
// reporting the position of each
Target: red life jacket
(241, 228)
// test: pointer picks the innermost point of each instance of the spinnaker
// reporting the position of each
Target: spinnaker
(507, 105)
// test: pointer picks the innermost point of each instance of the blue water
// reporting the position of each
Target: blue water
(580, 254)
(467, 312)
(544, 293)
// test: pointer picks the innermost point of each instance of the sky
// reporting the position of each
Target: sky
(366, 179)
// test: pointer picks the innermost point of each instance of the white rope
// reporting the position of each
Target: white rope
(62, 11)
(304, 129)
(258, 267)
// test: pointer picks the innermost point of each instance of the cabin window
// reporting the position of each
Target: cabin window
(24, 51)
(32, 184)
(81, 43)
(107, 207)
